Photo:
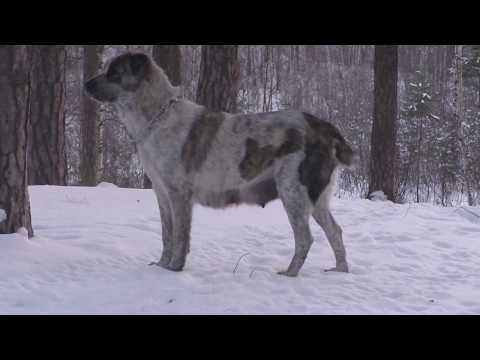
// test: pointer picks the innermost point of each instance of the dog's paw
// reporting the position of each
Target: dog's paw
(167, 266)
(339, 268)
(174, 269)
(163, 262)
(287, 273)
(176, 265)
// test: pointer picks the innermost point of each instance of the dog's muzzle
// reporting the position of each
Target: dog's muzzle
(97, 89)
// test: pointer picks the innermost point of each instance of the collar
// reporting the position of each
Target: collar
(161, 115)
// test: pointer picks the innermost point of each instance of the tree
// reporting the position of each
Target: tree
(14, 111)
(47, 162)
(471, 68)
(219, 77)
(449, 156)
(89, 123)
(469, 127)
(383, 142)
(169, 58)
(417, 113)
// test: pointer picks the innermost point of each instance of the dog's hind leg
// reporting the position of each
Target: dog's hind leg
(333, 231)
(181, 205)
(298, 207)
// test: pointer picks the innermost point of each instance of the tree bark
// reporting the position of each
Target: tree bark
(169, 58)
(47, 163)
(219, 77)
(14, 118)
(89, 123)
(449, 153)
(383, 145)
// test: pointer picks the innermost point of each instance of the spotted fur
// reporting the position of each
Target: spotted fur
(195, 156)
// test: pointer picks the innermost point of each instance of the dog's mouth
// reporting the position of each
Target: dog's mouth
(102, 97)
(97, 90)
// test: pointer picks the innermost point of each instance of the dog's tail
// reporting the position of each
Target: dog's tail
(345, 154)
(342, 151)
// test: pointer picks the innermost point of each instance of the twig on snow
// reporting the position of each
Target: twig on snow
(238, 262)
(255, 269)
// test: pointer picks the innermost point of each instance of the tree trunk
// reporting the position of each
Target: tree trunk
(219, 77)
(383, 145)
(14, 112)
(419, 157)
(459, 120)
(47, 162)
(449, 153)
(89, 124)
(169, 58)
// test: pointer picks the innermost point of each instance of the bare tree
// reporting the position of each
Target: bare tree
(89, 124)
(383, 142)
(47, 163)
(14, 111)
(219, 77)
(169, 58)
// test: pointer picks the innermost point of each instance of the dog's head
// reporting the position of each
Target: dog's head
(124, 76)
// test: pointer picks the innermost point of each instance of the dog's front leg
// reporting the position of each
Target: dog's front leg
(167, 226)
(181, 205)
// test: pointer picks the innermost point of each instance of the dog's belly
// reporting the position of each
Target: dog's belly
(259, 191)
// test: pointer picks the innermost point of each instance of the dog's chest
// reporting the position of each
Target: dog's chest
(160, 155)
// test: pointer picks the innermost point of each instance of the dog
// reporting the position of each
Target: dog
(216, 159)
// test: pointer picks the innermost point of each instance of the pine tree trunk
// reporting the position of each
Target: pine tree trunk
(383, 145)
(219, 77)
(449, 154)
(47, 163)
(14, 111)
(169, 58)
(89, 124)
(459, 120)
(266, 64)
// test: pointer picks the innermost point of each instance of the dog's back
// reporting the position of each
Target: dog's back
(231, 158)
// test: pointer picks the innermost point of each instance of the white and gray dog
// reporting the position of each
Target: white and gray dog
(216, 159)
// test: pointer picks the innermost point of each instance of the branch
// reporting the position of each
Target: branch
(238, 262)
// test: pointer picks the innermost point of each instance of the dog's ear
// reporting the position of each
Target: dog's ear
(140, 65)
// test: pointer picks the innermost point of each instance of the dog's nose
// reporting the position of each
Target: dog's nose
(89, 86)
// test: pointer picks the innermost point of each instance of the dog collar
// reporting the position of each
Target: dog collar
(155, 120)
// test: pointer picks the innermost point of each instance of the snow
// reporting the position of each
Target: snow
(107, 185)
(92, 247)
(3, 215)
(378, 196)
(23, 232)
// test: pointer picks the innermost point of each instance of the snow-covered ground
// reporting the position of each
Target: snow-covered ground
(92, 247)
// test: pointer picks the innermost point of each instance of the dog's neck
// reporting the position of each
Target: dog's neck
(150, 106)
